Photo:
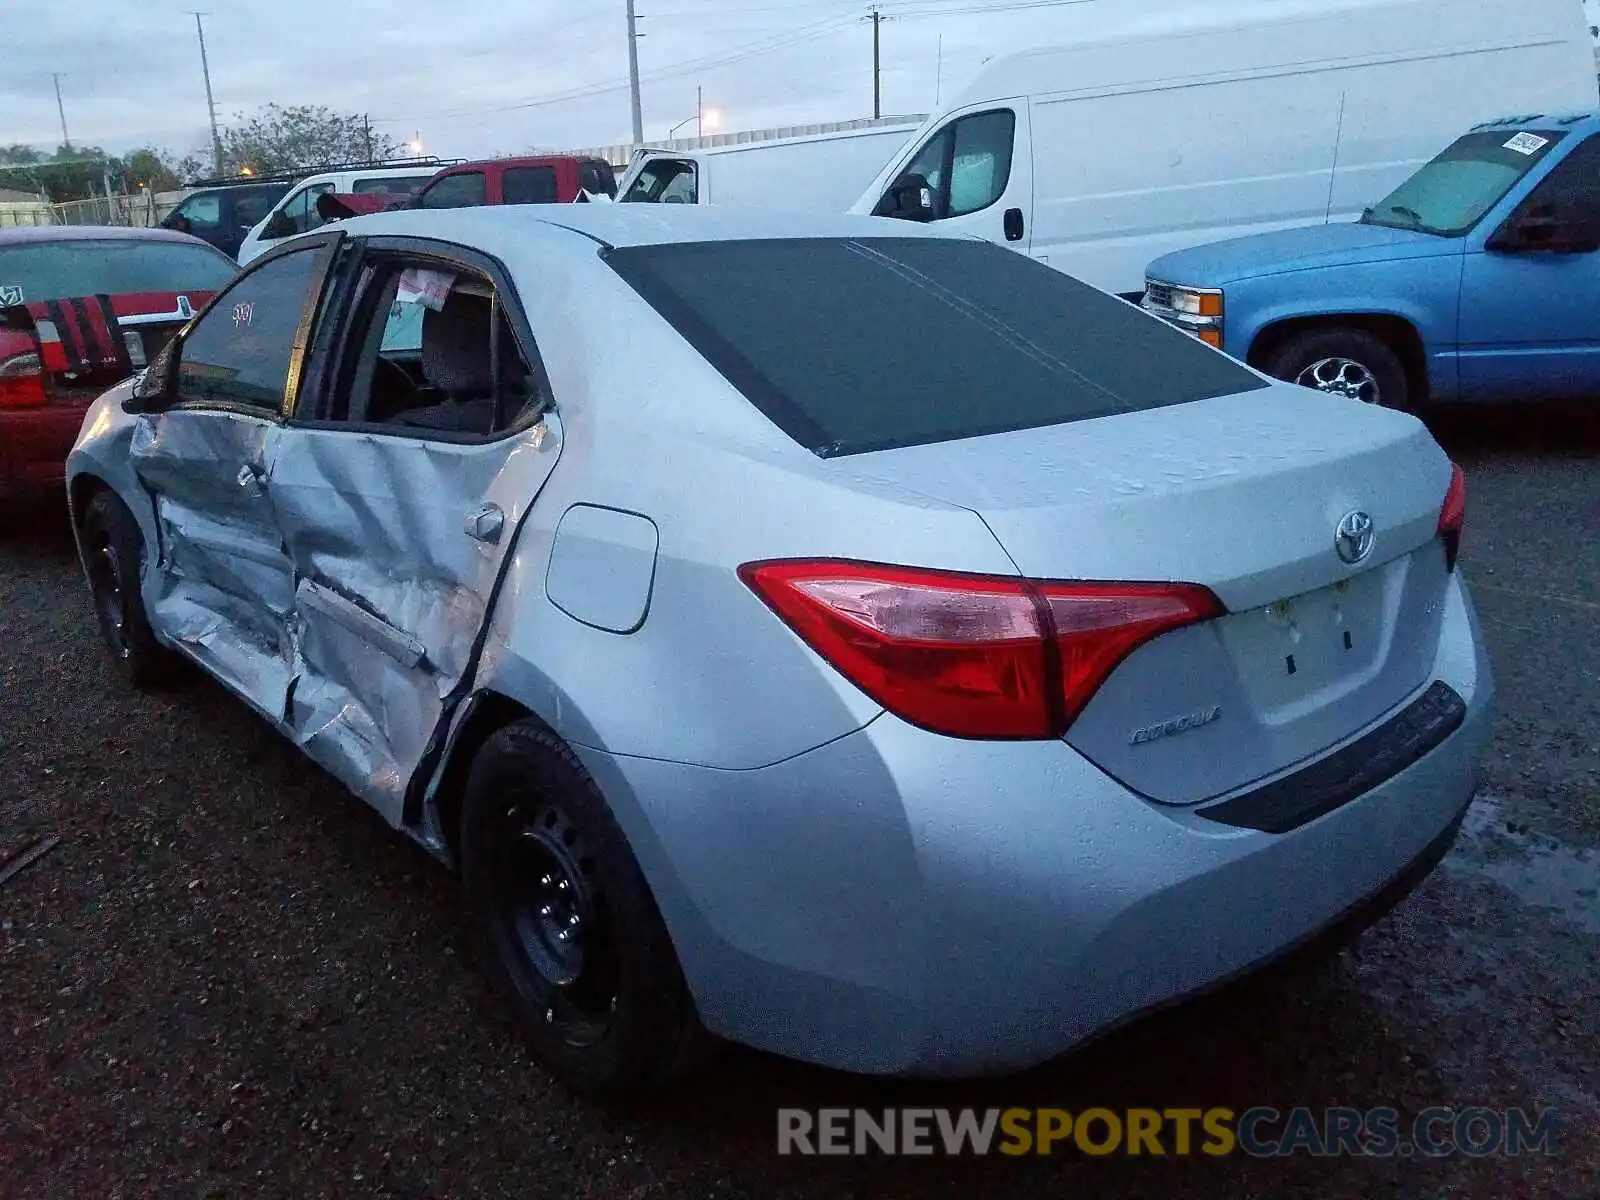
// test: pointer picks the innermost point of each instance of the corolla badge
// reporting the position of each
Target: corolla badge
(1354, 537)
(1196, 720)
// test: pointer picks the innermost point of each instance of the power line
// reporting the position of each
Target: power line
(814, 31)
(768, 45)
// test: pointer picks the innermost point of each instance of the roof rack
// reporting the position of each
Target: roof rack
(300, 173)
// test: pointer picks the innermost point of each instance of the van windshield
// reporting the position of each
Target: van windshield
(1451, 194)
(861, 344)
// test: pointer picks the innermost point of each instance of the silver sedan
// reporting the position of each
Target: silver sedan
(864, 644)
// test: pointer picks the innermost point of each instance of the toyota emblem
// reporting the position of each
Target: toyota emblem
(1354, 537)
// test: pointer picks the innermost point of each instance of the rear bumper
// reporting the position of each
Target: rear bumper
(899, 903)
(34, 444)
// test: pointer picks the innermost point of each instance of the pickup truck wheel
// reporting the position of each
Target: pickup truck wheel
(571, 934)
(1343, 362)
(113, 553)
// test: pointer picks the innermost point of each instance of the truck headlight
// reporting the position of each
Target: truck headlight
(1196, 311)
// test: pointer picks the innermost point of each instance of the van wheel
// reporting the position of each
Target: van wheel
(113, 557)
(571, 934)
(1343, 361)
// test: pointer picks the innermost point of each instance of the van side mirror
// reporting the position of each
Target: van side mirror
(909, 198)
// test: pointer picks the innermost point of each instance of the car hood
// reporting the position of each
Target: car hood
(1343, 244)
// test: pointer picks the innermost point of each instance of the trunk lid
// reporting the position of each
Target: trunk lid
(1243, 494)
(89, 343)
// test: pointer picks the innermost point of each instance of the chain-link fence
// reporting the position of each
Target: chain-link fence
(142, 209)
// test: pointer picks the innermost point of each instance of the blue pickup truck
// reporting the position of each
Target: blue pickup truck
(1476, 279)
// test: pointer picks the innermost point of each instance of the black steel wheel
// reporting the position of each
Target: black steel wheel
(570, 930)
(113, 549)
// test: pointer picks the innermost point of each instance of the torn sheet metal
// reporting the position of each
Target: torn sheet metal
(226, 587)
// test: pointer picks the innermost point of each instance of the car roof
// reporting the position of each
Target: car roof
(369, 173)
(1583, 122)
(618, 225)
(39, 234)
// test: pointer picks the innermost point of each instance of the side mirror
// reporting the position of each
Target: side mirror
(154, 390)
(278, 226)
(909, 198)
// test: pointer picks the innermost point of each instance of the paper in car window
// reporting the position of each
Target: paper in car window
(10, 293)
(1527, 143)
(424, 287)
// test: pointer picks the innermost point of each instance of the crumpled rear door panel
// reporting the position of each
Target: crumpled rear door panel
(392, 592)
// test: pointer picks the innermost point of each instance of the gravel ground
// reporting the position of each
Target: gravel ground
(230, 979)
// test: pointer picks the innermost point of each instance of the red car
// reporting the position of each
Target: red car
(83, 307)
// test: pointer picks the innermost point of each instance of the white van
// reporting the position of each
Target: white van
(1155, 133)
(297, 211)
(823, 171)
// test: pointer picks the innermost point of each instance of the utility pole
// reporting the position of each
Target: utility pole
(366, 131)
(62, 109)
(633, 74)
(699, 111)
(877, 68)
(211, 104)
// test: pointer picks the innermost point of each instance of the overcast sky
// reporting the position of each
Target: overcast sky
(474, 79)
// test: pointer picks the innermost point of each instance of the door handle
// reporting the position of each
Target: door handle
(485, 523)
(1013, 224)
(250, 480)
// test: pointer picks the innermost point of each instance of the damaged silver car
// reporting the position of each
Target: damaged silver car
(858, 642)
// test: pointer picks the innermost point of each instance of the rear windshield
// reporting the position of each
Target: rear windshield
(854, 345)
(60, 270)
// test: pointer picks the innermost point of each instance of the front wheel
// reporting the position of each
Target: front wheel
(573, 936)
(1343, 361)
(113, 554)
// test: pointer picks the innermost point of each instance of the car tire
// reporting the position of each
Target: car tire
(607, 1009)
(113, 559)
(1343, 360)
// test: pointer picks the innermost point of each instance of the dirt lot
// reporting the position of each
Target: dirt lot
(230, 979)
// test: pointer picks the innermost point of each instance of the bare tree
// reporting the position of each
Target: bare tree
(276, 138)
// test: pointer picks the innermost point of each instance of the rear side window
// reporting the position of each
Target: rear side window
(250, 207)
(455, 191)
(854, 345)
(393, 185)
(529, 185)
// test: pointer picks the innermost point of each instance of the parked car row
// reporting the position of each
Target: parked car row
(246, 218)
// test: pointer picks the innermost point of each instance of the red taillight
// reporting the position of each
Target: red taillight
(21, 382)
(1097, 625)
(975, 656)
(1452, 515)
